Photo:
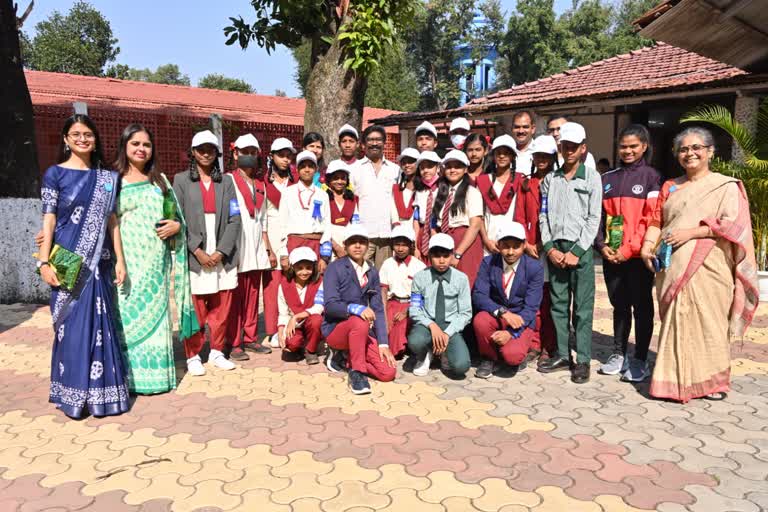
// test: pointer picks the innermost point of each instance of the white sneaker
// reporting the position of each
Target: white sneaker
(274, 342)
(219, 361)
(422, 368)
(195, 367)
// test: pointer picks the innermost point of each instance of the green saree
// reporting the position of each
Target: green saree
(146, 329)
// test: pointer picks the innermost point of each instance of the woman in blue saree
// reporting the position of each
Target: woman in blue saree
(79, 198)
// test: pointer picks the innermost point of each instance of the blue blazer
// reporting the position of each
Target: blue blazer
(525, 295)
(341, 288)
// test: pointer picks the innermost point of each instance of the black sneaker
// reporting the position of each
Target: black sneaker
(238, 354)
(485, 369)
(257, 348)
(311, 358)
(359, 383)
(580, 373)
(336, 361)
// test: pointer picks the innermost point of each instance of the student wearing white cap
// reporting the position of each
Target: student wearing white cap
(305, 215)
(372, 180)
(256, 254)
(425, 185)
(426, 137)
(349, 143)
(507, 295)
(554, 123)
(404, 191)
(212, 214)
(342, 202)
(280, 175)
(499, 189)
(354, 319)
(300, 303)
(544, 151)
(396, 278)
(458, 212)
(441, 307)
(458, 131)
(571, 207)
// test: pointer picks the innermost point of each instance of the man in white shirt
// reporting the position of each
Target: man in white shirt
(372, 180)
(554, 123)
(523, 130)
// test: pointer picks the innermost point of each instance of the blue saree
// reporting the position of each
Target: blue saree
(87, 369)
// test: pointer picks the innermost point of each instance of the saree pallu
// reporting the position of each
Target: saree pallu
(709, 293)
(145, 324)
(87, 368)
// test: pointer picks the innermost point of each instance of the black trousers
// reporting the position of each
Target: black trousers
(630, 290)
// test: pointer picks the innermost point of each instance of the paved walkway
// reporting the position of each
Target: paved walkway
(287, 437)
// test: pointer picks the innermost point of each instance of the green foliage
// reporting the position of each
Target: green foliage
(753, 172)
(169, 74)
(217, 81)
(81, 42)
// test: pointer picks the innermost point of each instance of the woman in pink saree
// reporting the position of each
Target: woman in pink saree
(707, 289)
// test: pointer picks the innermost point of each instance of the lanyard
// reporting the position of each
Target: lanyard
(505, 282)
(301, 203)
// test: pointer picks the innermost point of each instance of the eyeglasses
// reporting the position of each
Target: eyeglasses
(84, 136)
(374, 140)
(696, 148)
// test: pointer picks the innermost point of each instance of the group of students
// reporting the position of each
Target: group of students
(488, 249)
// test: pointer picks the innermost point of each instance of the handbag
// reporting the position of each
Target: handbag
(66, 264)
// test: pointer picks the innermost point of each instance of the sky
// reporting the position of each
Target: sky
(189, 33)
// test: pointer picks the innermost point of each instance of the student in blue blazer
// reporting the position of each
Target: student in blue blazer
(354, 318)
(507, 295)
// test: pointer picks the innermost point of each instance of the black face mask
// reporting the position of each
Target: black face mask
(247, 161)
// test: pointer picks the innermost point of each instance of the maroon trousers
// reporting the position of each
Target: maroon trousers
(398, 331)
(513, 352)
(213, 309)
(352, 335)
(271, 282)
(295, 241)
(307, 336)
(472, 258)
(544, 335)
(246, 308)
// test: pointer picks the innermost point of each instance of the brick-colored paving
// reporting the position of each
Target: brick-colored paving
(288, 437)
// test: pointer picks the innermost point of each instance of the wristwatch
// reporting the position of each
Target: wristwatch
(457, 255)
(501, 311)
(40, 264)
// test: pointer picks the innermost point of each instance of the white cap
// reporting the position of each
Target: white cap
(573, 132)
(409, 153)
(426, 126)
(355, 230)
(302, 254)
(281, 143)
(247, 141)
(428, 156)
(404, 231)
(544, 144)
(205, 137)
(441, 240)
(459, 123)
(348, 129)
(509, 229)
(456, 155)
(337, 165)
(306, 155)
(504, 141)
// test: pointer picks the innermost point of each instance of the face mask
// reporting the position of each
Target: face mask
(458, 140)
(247, 161)
(432, 181)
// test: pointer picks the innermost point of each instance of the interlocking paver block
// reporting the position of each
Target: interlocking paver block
(355, 494)
(498, 494)
(406, 500)
(444, 485)
(555, 500)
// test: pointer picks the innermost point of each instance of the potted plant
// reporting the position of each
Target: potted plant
(752, 171)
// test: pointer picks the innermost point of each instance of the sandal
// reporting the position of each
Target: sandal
(716, 397)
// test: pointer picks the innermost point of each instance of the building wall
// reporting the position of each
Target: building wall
(20, 219)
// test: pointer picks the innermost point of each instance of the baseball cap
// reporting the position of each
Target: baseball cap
(301, 254)
(337, 165)
(348, 129)
(281, 143)
(306, 155)
(247, 141)
(426, 126)
(427, 156)
(441, 240)
(403, 231)
(205, 137)
(353, 230)
(457, 155)
(544, 144)
(573, 132)
(510, 229)
(409, 153)
(459, 123)
(504, 141)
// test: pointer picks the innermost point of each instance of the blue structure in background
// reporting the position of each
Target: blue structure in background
(484, 77)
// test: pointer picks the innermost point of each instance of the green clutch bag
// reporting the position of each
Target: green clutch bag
(614, 229)
(66, 264)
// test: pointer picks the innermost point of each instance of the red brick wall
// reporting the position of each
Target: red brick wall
(173, 134)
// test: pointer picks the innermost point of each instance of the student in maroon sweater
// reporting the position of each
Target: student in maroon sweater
(629, 196)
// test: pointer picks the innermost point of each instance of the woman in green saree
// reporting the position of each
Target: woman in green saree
(152, 228)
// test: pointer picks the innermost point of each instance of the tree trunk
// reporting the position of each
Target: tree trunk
(19, 170)
(334, 95)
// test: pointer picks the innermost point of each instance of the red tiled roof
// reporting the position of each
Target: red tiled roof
(651, 69)
(61, 88)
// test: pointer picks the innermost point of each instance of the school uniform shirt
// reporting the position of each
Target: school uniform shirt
(397, 276)
(274, 227)
(297, 206)
(407, 196)
(375, 193)
(473, 207)
(253, 251)
(339, 226)
(500, 190)
(571, 209)
(284, 310)
(458, 300)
